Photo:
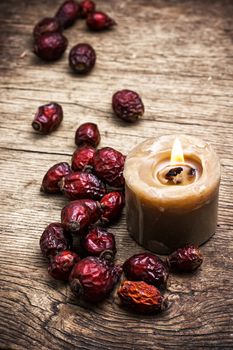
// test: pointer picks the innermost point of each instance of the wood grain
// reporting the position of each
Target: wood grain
(178, 55)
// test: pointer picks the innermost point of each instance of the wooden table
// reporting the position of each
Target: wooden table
(178, 55)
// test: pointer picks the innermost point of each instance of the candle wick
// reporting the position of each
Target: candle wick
(173, 172)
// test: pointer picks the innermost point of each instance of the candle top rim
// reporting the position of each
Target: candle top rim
(152, 150)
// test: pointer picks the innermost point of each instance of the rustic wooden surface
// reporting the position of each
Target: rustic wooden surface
(178, 55)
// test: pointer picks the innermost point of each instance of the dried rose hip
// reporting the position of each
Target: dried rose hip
(146, 267)
(61, 265)
(68, 13)
(185, 259)
(112, 204)
(50, 46)
(82, 58)
(98, 21)
(83, 158)
(141, 297)
(93, 279)
(127, 105)
(54, 240)
(86, 7)
(108, 165)
(87, 134)
(99, 242)
(76, 216)
(81, 185)
(48, 117)
(54, 176)
(46, 25)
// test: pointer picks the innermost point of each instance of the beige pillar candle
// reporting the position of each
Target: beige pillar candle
(171, 192)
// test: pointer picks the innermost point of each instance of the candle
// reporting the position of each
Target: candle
(172, 187)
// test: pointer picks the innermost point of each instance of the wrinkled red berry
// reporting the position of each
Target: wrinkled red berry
(185, 259)
(54, 176)
(109, 165)
(127, 105)
(141, 297)
(83, 158)
(93, 279)
(61, 265)
(146, 267)
(46, 25)
(86, 7)
(50, 46)
(82, 58)
(54, 240)
(77, 216)
(87, 134)
(48, 117)
(98, 21)
(68, 13)
(99, 242)
(112, 204)
(81, 185)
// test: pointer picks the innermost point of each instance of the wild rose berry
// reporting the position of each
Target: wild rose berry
(109, 165)
(81, 185)
(50, 46)
(146, 267)
(46, 25)
(54, 239)
(82, 58)
(99, 242)
(48, 117)
(98, 21)
(61, 265)
(86, 7)
(185, 259)
(127, 105)
(53, 177)
(67, 13)
(83, 158)
(93, 279)
(87, 134)
(141, 297)
(78, 215)
(112, 204)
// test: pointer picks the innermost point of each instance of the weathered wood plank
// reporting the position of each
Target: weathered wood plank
(178, 56)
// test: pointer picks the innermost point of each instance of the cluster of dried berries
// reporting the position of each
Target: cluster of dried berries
(50, 43)
(88, 267)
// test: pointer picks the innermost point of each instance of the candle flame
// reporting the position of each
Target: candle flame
(177, 155)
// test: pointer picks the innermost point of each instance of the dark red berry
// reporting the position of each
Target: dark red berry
(82, 58)
(46, 25)
(54, 240)
(99, 242)
(185, 259)
(78, 215)
(127, 105)
(50, 46)
(112, 204)
(109, 165)
(68, 13)
(61, 265)
(54, 176)
(146, 267)
(81, 185)
(83, 158)
(86, 7)
(48, 118)
(98, 21)
(87, 134)
(93, 279)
